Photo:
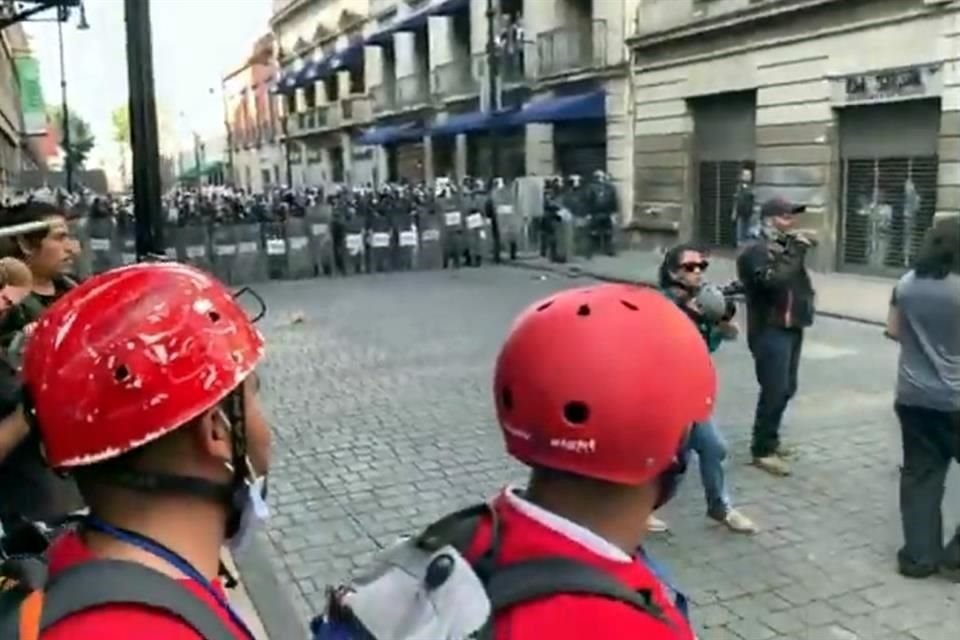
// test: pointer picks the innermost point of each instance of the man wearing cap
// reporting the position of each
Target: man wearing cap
(780, 305)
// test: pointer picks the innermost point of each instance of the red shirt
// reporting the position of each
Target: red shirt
(529, 532)
(122, 622)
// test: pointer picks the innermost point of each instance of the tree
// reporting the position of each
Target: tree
(81, 138)
(120, 118)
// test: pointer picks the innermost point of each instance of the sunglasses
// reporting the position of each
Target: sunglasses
(691, 267)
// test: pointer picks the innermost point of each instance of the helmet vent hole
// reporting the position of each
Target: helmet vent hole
(576, 412)
(545, 305)
(629, 305)
(584, 310)
(121, 373)
(506, 398)
(214, 316)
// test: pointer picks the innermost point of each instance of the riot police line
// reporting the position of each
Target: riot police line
(353, 232)
(364, 230)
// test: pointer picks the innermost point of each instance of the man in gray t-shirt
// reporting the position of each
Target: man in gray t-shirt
(925, 319)
(929, 370)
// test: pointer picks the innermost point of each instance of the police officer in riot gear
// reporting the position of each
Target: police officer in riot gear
(602, 199)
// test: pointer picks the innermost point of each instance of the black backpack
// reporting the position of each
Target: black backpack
(32, 602)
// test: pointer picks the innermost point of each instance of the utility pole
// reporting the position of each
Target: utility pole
(493, 73)
(68, 158)
(148, 207)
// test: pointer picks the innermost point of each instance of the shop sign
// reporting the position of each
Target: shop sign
(889, 85)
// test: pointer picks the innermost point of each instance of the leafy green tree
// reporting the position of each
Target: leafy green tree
(81, 137)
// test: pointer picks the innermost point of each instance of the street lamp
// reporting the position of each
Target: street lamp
(63, 14)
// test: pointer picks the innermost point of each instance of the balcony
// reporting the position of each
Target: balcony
(517, 65)
(454, 78)
(570, 49)
(384, 98)
(412, 90)
(355, 109)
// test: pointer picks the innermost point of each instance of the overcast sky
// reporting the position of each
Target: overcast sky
(194, 43)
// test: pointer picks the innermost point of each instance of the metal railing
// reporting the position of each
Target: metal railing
(517, 64)
(412, 89)
(455, 78)
(572, 48)
(384, 97)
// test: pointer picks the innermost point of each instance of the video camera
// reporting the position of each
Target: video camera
(719, 303)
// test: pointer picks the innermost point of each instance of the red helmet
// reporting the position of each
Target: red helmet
(603, 382)
(132, 354)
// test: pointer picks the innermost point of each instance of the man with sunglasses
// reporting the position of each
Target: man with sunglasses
(780, 305)
(681, 278)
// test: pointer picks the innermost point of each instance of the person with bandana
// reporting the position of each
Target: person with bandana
(153, 409)
(681, 279)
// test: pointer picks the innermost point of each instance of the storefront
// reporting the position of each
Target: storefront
(859, 122)
(724, 144)
(888, 142)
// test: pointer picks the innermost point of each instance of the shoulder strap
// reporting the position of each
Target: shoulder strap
(103, 582)
(532, 580)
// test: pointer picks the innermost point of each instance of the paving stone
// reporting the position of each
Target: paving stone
(382, 418)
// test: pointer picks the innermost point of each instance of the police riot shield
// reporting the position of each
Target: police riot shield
(250, 264)
(476, 235)
(171, 239)
(452, 231)
(275, 242)
(195, 246)
(104, 247)
(223, 242)
(320, 237)
(127, 238)
(512, 232)
(430, 248)
(81, 261)
(381, 241)
(300, 262)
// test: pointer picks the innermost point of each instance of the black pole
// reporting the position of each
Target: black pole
(143, 131)
(68, 158)
(493, 72)
(286, 149)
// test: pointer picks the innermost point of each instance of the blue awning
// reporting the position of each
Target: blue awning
(310, 73)
(450, 7)
(388, 134)
(414, 21)
(583, 106)
(287, 82)
(344, 59)
(473, 121)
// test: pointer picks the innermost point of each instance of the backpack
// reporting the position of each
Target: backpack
(32, 602)
(505, 586)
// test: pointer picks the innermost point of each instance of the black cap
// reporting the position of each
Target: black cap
(780, 207)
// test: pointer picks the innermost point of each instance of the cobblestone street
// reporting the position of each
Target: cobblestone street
(380, 401)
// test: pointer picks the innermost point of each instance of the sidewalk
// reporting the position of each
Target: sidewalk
(240, 600)
(845, 296)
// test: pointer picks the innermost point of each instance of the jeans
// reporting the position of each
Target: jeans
(776, 358)
(746, 229)
(708, 443)
(931, 439)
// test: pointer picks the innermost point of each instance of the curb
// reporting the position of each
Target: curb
(574, 271)
(277, 613)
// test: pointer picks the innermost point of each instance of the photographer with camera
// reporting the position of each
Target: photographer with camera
(681, 279)
(780, 305)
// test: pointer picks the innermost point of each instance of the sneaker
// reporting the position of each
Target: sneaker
(656, 525)
(772, 464)
(950, 572)
(786, 451)
(737, 522)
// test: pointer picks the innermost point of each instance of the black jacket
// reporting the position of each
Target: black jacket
(778, 288)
